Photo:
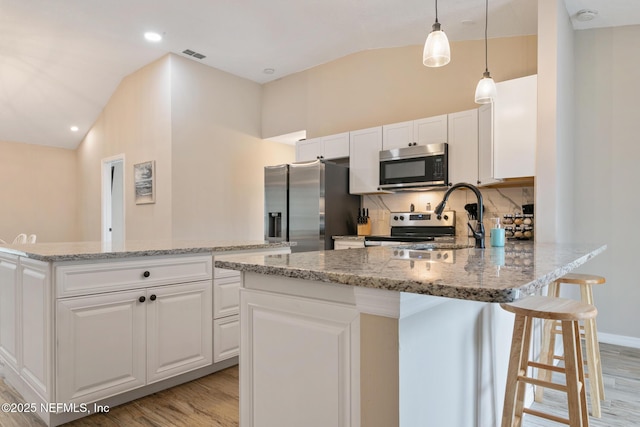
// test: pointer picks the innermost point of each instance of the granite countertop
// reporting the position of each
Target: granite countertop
(77, 251)
(491, 275)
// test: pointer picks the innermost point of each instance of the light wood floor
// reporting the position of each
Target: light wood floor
(212, 401)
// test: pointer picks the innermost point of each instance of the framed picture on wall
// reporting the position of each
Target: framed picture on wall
(144, 175)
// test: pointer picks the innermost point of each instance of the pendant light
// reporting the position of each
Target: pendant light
(486, 89)
(436, 49)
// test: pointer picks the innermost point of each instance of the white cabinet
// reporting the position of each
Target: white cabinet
(515, 127)
(226, 308)
(397, 135)
(299, 363)
(463, 147)
(25, 322)
(507, 132)
(101, 346)
(364, 172)
(9, 309)
(113, 342)
(326, 147)
(347, 244)
(430, 130)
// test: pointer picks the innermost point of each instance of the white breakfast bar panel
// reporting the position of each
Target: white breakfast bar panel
(431, 336)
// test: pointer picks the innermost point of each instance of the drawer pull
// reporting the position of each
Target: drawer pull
(146, 273)
(142, 299)
(152, 297)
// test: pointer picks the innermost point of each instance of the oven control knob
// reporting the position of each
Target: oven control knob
(395, 218)
(401, 218)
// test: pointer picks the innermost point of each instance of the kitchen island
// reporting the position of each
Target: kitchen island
(385, 336)
(89, 325)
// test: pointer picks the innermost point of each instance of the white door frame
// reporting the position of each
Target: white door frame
(106, 196)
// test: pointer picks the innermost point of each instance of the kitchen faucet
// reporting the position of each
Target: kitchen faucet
(478, 233)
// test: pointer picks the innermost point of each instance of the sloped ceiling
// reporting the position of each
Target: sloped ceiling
(61, 60)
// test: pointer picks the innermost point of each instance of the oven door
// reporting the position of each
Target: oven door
(414, 167)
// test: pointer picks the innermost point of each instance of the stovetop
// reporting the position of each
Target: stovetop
(418, 227)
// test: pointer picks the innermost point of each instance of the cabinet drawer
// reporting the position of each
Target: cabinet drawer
(97, 277)
(224, 272)
(226, 338)
(226, 296)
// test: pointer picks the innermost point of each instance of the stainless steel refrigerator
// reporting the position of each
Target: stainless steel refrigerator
(308, 203)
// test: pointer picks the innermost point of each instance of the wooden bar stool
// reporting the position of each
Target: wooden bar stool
(592, 348)
(569, 312)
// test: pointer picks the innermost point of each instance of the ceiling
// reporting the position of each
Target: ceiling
(61, 60)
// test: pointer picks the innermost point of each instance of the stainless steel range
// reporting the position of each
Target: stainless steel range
(416, 227)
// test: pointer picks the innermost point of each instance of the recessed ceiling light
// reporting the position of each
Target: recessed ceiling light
(268, 71)
(74, 128)
(152, 37)
(585, 15)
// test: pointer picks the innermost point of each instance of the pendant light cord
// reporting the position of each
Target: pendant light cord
(436, 11)
(486, 25)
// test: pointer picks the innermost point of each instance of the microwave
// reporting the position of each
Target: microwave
(414, 168)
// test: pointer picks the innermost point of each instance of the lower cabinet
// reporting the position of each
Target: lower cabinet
(114, 342)
(299, 362)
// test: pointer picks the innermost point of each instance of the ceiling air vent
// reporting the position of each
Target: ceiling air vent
(194, 54)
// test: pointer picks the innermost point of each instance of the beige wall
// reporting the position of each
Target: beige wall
(38, 192)
(606, 167)
(385, 86)
(218, 156)
(202, 127)
(136, 122)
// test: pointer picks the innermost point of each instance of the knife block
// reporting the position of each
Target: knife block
(364, 229)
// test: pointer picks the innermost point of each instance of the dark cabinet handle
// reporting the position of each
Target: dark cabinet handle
(152, 297)
(142, 299)
(146, 274)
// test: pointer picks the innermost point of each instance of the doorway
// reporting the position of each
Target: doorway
(113, 229)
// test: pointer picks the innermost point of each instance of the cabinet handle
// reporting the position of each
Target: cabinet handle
(142, 299)
(146, 274)
(152, 297)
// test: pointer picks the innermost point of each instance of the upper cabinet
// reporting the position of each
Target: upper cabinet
(431, 130)
(326, 147)
(364, 172)
(515, 123)
(507, 132)
(463, 147)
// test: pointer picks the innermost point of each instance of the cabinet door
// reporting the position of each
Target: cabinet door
(432, 130)
(463, 147)
(8, 310)
(397, 135)
(364, 161)
(179, 329)
(36, 325)
(300, 362)
(226, 296)
(309, 149)
(335, 146)
(486, 153)
(226, 338)
(101, 346)
(515, 127)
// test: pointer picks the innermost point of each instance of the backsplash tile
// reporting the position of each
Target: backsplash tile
(497, 202)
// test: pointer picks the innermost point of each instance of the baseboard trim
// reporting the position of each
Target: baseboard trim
(621, 340)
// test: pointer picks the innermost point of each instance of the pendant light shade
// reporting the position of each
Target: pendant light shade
(486, 89)
(436, 49)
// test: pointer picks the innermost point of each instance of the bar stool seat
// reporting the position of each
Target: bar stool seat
(568, 312)
(592, 348)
